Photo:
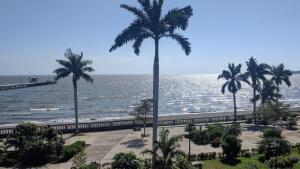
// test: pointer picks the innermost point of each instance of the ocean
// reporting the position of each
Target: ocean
(115, 96)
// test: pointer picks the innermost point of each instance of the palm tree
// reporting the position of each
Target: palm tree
(168, 150)
(144, 111)
(268, 93)
(279, 75)
(233, 79)
(78, 68)
(150, 23)
(256, 73)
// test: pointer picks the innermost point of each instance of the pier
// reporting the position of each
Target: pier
(25, 85)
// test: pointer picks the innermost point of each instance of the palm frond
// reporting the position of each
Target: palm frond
(129, 34)
(178, 18)
(137, 12)
(183, 42)
(138, 42)
(87, 77)
(88, 69)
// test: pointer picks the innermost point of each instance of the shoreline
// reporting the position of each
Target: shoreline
(162, 117)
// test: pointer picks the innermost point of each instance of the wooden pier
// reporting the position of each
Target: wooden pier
(25, 85)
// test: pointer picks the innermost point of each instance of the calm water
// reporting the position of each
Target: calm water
(116, 95)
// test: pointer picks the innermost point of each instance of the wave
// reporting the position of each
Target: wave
(45, 109)
(19, 113)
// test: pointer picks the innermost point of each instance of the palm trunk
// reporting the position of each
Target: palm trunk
(277, 101)
(155, 101)
(234, 104)
(145, 121)
(75, 105)
(254, 105)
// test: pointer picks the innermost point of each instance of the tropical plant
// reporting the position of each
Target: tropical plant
(190, 128)
(144, 111)
(268, 92)
(233, 79)
(231, 146)
(79, 161)
(168, 149)
(256, 73)
(150, 23)
(126, 160)
(182, 162)
(78, 68)
(234, 129)
(280, 75)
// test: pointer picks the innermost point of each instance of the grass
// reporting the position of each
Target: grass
(217, 164)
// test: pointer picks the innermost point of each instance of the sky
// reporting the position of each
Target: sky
(34, 33)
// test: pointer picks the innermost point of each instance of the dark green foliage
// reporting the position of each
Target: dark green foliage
(182, 162)
(200, 137)
(70, 151)
(234, 129)
(24, 134)
(126, 161)
(283, 163)
(272, 132)
(32, 147)
(190, 127)
(215, 130)
(216, 142)
(231, 146)
(272, 146)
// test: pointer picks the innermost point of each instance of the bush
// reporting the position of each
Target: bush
(216, 142)
(271, 133)
(70, 151)
(267, 147)
(182, 162)
(231, 146)
(215, 130)
(234, 129)
(200, 137)
(283, 163)
(126, 160)
(190, 127)
(10, 158)
(249, 121)
(37, 155)
(291, 123)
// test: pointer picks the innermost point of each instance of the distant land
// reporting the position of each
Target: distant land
(296, 72)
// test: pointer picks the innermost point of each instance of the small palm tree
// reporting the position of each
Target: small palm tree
(256, 73)
(77, 67)
(268, 93)
(279, 75)
(233, 79)
(150, 23)
(144, 111)
(168, 149)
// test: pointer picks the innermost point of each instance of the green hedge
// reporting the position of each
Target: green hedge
(70, 151)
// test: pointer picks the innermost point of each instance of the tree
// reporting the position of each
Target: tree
(150, 23)
(233, 79)
(126, 160)
(144, 111)
(231, 146)
(168, 149)
(190, 128)
(256, 73)
(78, 68)
(280, 75)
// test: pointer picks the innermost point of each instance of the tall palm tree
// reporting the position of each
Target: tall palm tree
(233, 79)
(280, 75)
(168, 149)
(78, 68)
(256, 73)
(151, 23)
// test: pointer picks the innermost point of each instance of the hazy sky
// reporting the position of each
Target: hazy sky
(33, 33)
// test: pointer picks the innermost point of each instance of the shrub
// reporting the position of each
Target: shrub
(215, 130)
(10, 158)
(271, 133)
(283, 163)
(216, 142)
(234, 129)
(79, 161)
(70, 151)
(291, 123)
(37, 155)
(249, 121)
(272, 146)
(231, 146)
(182, 162)
(200, 137)
(190, 127)
(126, 160)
